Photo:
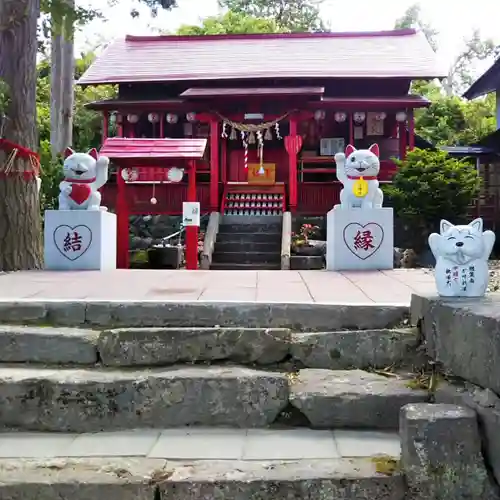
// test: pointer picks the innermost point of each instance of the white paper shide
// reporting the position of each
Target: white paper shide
(462, 254)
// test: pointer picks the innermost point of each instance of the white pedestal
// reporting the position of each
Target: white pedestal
(359, 239)
(80, 240)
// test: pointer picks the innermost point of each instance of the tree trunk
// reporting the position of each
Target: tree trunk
(20, 221)
(56, 68)
(68, 77)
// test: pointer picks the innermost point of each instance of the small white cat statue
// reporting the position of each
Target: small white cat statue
(357, 170)
(84, 174)
(462, 254)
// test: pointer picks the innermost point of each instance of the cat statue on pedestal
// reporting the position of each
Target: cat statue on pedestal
(84, 174)
(357, 170)
(462, 254)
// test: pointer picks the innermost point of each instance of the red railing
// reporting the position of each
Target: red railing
(169, 198)
(317, 198)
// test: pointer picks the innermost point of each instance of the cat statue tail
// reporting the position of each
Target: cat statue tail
(340, 167)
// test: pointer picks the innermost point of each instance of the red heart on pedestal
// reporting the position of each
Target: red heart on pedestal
(80, 192)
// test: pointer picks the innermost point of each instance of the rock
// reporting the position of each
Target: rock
(342, 479)
(354, 348)
(351, 398)
(441, 453)
(462, 335)
(487, 406)
(299, 262)
(163, 346)
(31, 344)
(79, 479)
(93, 400)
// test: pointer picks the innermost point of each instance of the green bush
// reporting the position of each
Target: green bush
(430, 186)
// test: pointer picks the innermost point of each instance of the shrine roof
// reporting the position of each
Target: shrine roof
(486, 83)
(118, 148)
(261, 91)
(386, 54)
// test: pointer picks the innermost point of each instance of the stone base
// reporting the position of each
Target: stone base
(80, 240)
(302, 262)
(360, 239)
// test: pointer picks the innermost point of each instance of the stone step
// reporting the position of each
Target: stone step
(246, 257)
(143, 478)
(243, 246)
(169, 346)
(268, 237)
(250, 228)
(351, 398)
(161, 313)
(238, 266)
(90, 400)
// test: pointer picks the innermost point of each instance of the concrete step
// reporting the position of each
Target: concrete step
(250, 228)
(161, 313)
(244, 246)
(238, 266)
(168, 346)
(247, 257)
(90, 400)
(268, 237)
(143, 478)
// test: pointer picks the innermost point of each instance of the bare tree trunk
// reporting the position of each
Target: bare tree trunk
(56, 91)
(68, 76)
(20, 221)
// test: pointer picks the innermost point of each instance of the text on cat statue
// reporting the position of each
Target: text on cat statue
(84, 174)
(357, 170)
(461, 254)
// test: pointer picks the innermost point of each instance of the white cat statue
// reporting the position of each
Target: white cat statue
(357, 170)
(462, 254)
(84, 174)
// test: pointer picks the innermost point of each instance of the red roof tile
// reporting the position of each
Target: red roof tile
(401, 53)
(262, 91)
(117, 148)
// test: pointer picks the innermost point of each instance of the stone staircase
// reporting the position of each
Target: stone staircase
(248, 242)
(166, 366)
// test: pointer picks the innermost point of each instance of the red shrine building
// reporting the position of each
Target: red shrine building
(250, 124)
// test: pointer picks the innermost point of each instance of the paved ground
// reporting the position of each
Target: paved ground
(363, 287)
(204, 444)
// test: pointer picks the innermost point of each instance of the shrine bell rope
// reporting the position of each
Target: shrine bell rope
(250, 132)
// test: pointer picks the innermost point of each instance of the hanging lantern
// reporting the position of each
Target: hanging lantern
(380, 117)
(319, 115)
(153, 117)
(130, 174)
(172, 118)
(175, 174)
(191, 117)
(401, 116)
(132, 118)
(340, 117)
(359, 116)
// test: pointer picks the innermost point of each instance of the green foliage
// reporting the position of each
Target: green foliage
(451, 120)
(231, 23)
(4, 97)
(412, 19)
(292, 15)
(430, 186)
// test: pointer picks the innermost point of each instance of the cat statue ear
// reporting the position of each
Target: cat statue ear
(375, 150)
(349, 149)
(445, 226)
(68, 152)
(477, 224)
(93, 152)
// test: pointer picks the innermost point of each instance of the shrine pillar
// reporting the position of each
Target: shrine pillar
(214, 165)
(191, 230)
(122, 236)
(292, 165)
